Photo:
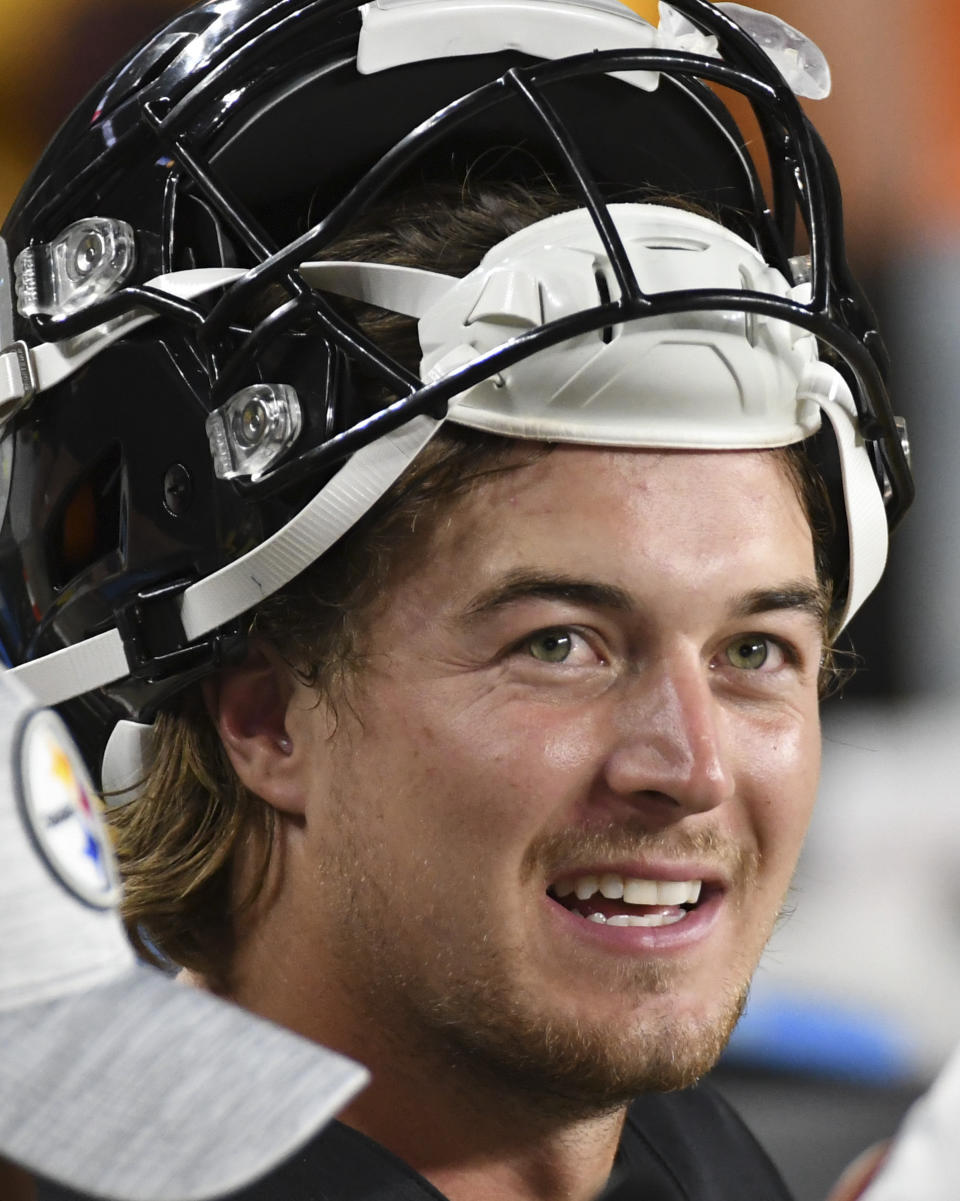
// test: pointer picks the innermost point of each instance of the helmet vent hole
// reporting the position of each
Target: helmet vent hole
(87, 526)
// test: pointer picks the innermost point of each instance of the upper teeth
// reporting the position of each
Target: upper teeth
(631, 890)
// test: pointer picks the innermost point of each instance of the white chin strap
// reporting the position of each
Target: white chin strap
(239, 586)
(129, 750)
(228, 593)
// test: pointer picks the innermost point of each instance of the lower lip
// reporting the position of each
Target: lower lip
(642, 940)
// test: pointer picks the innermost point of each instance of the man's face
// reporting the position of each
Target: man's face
(552, 827)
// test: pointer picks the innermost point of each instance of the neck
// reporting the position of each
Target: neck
(476, 1135)
(475, 1141)
(473, 1136)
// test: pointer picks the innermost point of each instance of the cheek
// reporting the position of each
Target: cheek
(510, 770)
(783, 772)
(564, 748)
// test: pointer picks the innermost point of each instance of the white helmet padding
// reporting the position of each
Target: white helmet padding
(689, 380)
(718, 380)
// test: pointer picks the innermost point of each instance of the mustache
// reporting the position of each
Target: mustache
(631, 839)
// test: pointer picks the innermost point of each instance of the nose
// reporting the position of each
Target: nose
(669, 739)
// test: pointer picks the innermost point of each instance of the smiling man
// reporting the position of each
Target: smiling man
(544, 837)
(441, 480)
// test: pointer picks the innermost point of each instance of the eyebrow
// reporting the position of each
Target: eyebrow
(521, 585)
(797, 595)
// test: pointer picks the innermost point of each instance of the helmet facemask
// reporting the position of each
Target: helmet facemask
(259, 126)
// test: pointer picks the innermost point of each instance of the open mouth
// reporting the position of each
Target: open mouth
(614, 900)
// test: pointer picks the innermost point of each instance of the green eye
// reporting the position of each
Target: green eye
(550, 646)
(748, 653)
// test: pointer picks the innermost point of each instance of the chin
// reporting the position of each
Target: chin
(577, 1067)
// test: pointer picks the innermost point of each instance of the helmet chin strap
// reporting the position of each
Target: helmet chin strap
(783, 418)
(226, 594)
(130, 747)
(674, 381)
(237, 587)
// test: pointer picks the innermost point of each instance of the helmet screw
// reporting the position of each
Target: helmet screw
(88, 254)
(177, 490)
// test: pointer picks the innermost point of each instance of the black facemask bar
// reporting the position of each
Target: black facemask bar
(802, 179)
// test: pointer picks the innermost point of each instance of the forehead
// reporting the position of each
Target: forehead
(702, 517)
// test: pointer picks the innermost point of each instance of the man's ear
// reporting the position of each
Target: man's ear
(248, 704)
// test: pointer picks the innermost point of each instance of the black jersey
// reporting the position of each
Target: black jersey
(685, 1146)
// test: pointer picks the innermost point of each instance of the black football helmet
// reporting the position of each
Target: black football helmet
(171, 451)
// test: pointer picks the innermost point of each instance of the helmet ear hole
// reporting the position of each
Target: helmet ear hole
(87, 525)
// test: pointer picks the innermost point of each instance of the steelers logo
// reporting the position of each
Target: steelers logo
(62, 811)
